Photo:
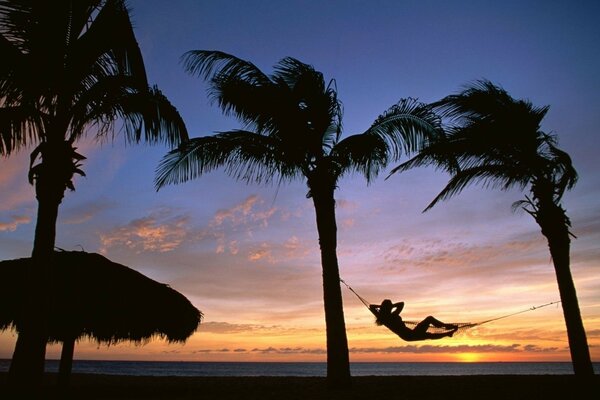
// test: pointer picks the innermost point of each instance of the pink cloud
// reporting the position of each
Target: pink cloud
(15, 221)
(243, 213)
(153, 233)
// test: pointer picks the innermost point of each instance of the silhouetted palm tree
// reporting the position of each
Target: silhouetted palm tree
(69, 68)
(293, 123)
(496, 139)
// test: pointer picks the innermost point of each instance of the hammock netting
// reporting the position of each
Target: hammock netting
(432, 329)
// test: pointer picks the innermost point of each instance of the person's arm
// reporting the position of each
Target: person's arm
(398, 308)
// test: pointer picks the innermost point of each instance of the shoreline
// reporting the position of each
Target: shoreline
(529, 387)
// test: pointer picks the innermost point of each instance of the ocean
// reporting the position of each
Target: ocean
(169, 368)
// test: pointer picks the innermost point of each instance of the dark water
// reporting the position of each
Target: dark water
(166, 368)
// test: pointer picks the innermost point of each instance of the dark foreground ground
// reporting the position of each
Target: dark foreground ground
(485, 387)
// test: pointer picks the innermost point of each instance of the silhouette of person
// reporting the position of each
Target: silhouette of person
(388, 314)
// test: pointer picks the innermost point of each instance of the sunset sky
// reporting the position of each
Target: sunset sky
(247, 256)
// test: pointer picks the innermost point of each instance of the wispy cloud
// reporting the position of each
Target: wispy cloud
(262, 252)
(244, 213)
(158, 232)
(409, 349)
(14, 222)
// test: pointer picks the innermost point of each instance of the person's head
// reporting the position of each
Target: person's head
(385, 309)
(386, 305)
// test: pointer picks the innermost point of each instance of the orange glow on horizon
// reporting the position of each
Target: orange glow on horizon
(469, 357)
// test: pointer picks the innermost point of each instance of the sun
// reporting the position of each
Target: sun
(469, 357)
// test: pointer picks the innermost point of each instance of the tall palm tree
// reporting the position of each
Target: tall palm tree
(292, 129)
(69, 68)
(496, 139)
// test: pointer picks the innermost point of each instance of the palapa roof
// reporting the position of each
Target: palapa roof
(91, 296)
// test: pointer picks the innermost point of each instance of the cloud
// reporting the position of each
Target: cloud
(243, 218)
(487, 348)
(15, 221)
(409, 349)
(158, 232)
(243, 213)
(288, 350)
(225, 327)
(262, 252)
(454, 257)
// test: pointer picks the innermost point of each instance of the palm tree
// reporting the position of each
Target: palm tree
(496, 139)
(69, 68)
(292, 126)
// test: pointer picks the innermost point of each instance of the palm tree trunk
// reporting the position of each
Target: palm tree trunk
(338, 363)
(66, 363)
(553, 221)
(27, 364)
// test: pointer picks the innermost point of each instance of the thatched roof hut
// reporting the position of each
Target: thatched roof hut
(93, 297)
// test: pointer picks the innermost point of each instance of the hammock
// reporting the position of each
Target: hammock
(461, 325)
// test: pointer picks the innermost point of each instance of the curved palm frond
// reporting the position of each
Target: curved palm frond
(208, 63)
(562, 170)
(246, 156)
(293, 104)
(93, 68)
(362, 153)
(406, 127)
(489, 175)
(440, 153)
(149, 116)
(20, 127)
(496, 139)
(107, 47)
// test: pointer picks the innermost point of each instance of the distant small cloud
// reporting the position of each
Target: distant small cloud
(348, 222)
(15, 221)
(263, 252)
(227, 328)
(224, 327)
(243, 213)
(288, 350)
(409, 349)
(157, 232)
(346, 204)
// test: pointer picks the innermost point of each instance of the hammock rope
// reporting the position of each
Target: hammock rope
(461, 325)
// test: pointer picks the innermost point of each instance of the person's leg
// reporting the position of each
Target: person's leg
(435, 322)
(440, 335)
(421, 328)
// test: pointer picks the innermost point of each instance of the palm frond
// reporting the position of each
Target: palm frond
(497, 139)
(109, 33)
(440, 153)
(488, 175)
(246, 156)
(406, 127)
(563, 172)
(209, 63)
(20, 127)
(362, 153)
(256, 106)
(147, 115)
(150, 116)
(299, 75)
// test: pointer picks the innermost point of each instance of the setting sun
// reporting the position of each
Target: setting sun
(468, 357)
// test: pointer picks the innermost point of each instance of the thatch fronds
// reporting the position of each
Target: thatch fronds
(91, 296)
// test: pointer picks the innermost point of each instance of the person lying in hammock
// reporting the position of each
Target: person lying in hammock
(388, 314)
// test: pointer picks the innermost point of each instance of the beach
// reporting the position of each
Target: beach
(96, 386)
